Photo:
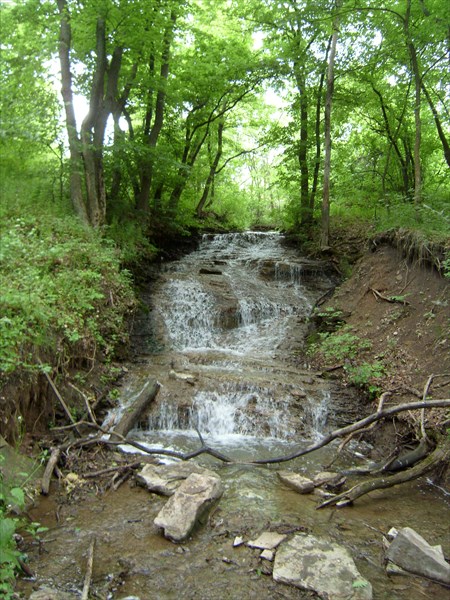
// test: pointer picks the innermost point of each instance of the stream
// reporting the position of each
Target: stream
(224, 335)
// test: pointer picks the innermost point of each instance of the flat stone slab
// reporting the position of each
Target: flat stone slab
(191, 500)
(165, 479)
(268, 540)
(330, 479)
(297, 482)
(320, 566)
(412, 553)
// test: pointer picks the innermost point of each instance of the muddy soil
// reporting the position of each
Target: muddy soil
(131, 556)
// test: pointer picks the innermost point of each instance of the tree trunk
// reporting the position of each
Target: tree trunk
(305, 216)
(212, 171)
(147, 173)
(417, 106)
(325, 233)
(76, 160)
(441, 132)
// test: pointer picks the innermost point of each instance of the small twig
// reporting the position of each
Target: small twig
(426, 389)
(60, 398)
(131, 466)
(89, 567)
(391, 299)
(86, 402)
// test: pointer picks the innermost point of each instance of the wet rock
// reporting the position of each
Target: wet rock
(191, 500)
(187, 377)
(46, 593)
(412, 553)
(297, 482)
(268, 540)
(165, 479)
(267, 555)
(320, 566)
(208, 271)
(330, 480)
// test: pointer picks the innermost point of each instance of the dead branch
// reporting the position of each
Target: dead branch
(51, 464)
(344, 431)
(61, 401)
(89, 567)
(121, 468)
(86, 402)
(440, 455)
(392, 299)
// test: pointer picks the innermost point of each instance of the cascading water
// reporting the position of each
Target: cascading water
(228, 317)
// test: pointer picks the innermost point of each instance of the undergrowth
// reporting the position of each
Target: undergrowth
(62, 290)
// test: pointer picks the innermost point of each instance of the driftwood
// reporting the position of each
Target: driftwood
(51, 464)
(89, 568)
(134, 412)
(440, 455)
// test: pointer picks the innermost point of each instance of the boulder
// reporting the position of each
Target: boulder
(322, 567)
(268, 540)
(191, 500)
(297, 482)
(413, 554)
(165, 479)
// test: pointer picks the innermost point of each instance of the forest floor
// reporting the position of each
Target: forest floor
(400, 307)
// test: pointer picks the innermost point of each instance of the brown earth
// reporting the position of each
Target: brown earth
(402, 309)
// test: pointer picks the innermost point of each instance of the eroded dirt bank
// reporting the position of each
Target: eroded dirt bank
(408, 335)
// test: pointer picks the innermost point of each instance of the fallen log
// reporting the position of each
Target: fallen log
(439, 456)
(52, 463)
(134, 412)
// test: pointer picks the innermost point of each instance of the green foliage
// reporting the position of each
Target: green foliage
(62, 288)
(13, 495)
(365, 375)
(342, 345)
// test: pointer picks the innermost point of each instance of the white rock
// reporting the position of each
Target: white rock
(392, 533)
(297, 482)
(165, 479)
(267, 540)
(267, 555)
(411, 552)
(320, 566)
(238, 541)
(191, 500)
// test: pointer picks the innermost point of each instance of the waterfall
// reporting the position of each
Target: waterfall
(229, 315)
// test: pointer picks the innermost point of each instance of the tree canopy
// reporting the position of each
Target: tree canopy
(179, 126)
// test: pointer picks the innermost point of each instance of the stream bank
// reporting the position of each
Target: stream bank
(133, 558)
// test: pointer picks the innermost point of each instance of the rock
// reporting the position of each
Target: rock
(412, 553)
(46, 593)
(267, 540)
(187, 377)
(329, 479)
(165, 479)
(297, 482)
(267, 555)
(320, 566)
(191, 500)
(238, 541)
(392, 533)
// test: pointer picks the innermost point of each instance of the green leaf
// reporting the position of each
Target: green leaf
(18, 496)
(360, 583)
